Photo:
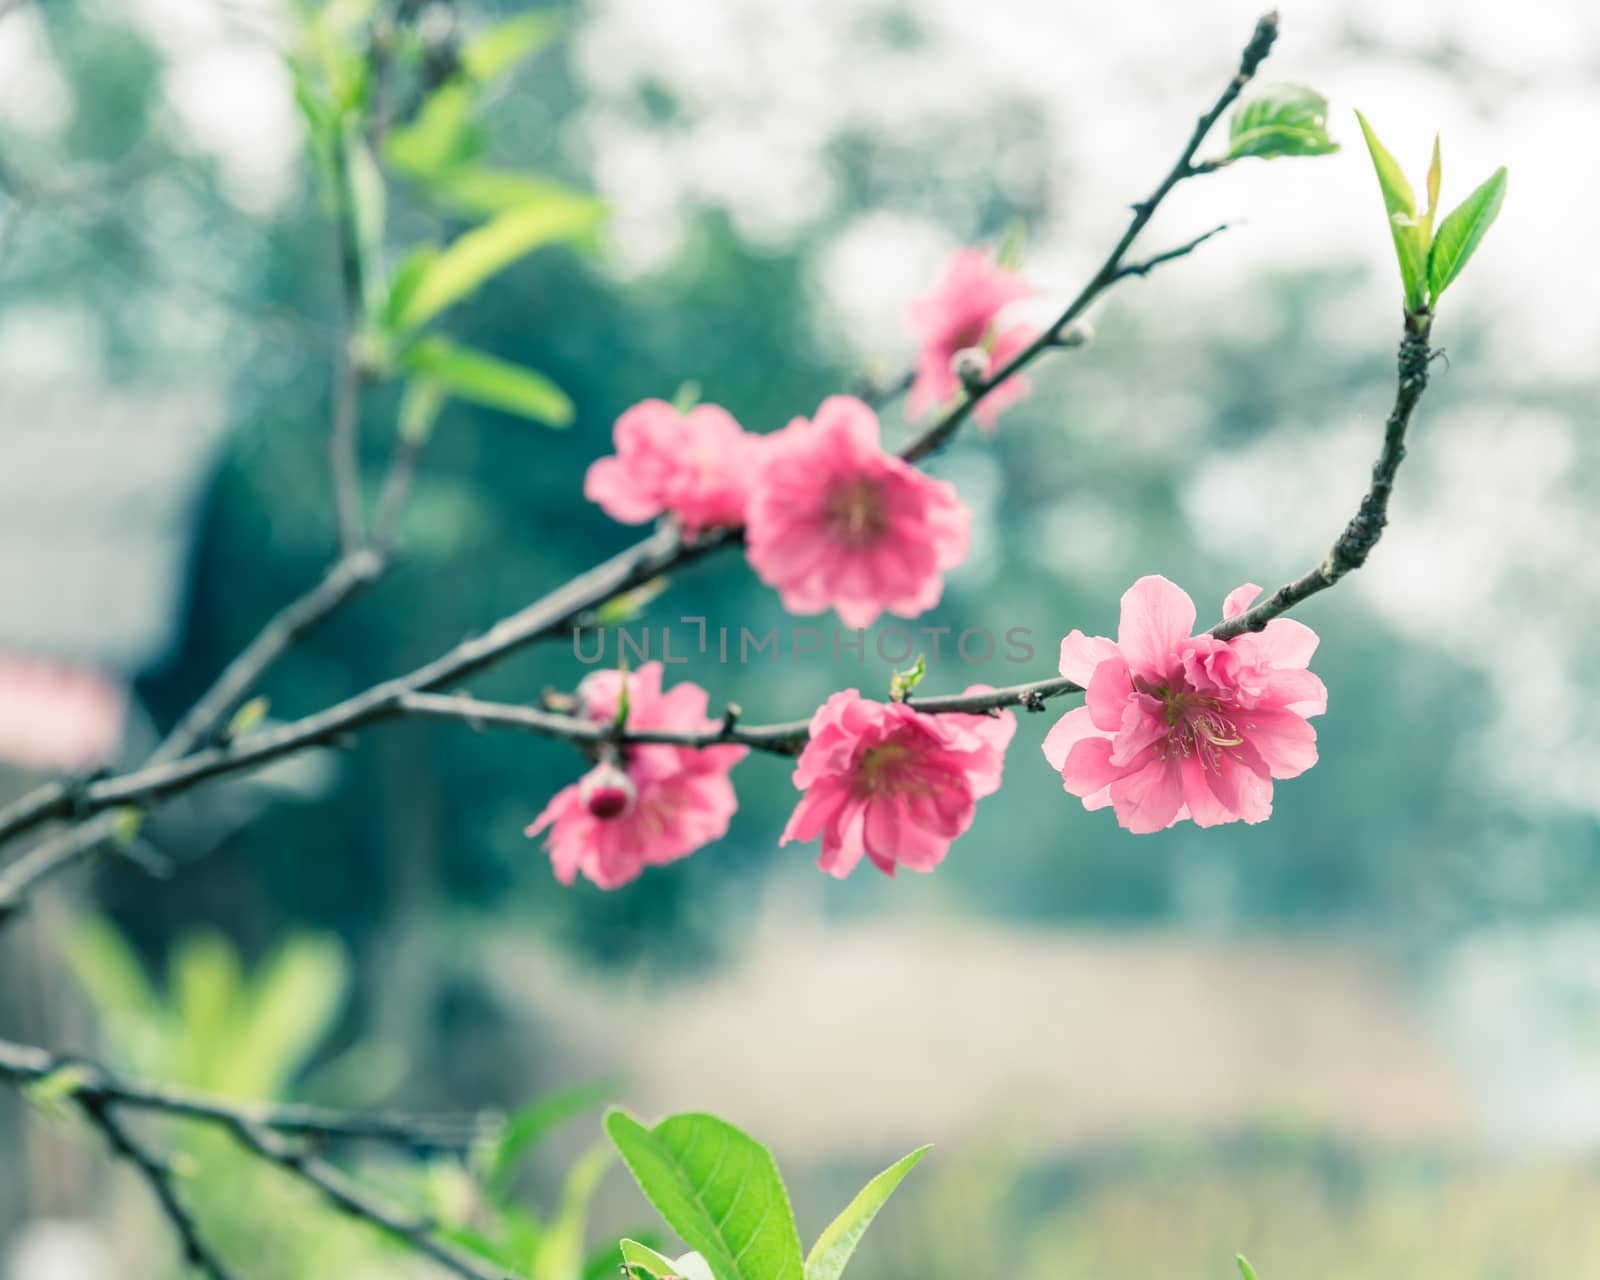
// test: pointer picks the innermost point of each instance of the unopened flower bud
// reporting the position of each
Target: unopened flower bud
(970, 365)
(1080, 333)
(607, 791)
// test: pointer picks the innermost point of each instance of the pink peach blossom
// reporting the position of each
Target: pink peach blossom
(835, 521)
(1176, 725)
(964, 312)
(669, 801)
(883, 779)
(695, 465)
(54, 715)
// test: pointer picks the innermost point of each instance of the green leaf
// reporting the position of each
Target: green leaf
(490, 381)
(1280, 120)
(441, 137)
(1435, 172)
(51, 1093)
(291, 1004)
(835, 1245)
(1009, 256)
(529, 1126)
(901, 683)
(491, 53)
(368, 212)
(407, 276)
(1410, 248)
(560, 1255)
(642, 1257)
(419, 409)
(484, 191)
(1462, 230)
(1245, 1269)
(716, 1187)
(481, 253)
(249, 717)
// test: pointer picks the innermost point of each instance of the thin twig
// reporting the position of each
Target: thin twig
(1353, 546)
(24, 1065)
(786, 739)
(158, 1176)
(1255, 53)
(1148, 265)
(344, 1194)
(273, 1133)
(349, 575)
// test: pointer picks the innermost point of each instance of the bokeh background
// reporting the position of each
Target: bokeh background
(1363, 1038)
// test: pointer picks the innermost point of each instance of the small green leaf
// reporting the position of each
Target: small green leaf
(835, 1245)
(481, 253)
(248, 717)
(484, 191)
(127, 825)
(560, 1253)
(1435, 172)
(527, 1128)
(641, 1257)
(1462, 230)
(1280, 120)
(491, 53)
(1009, 257)
(419, 409)
(407, 276)
(686, 396)
(368, 212)
(901, 683)
(1410, 248)
(490, 381)
(51, 1093)
(1245, 1269)
(716, 1187)
(441, 137)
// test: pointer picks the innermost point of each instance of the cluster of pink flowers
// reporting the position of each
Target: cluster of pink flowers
(1176, 725)
(653, 804)
(832, 520)
(882, 779)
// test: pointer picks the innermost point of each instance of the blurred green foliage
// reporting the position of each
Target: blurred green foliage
(262, 1035)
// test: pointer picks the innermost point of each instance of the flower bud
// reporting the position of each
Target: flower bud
(607, 791)
(970, 365)
(1080, 333)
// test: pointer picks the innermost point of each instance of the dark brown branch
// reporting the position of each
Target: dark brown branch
(1355, 544)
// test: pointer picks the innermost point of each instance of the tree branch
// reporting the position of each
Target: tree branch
(1353, 546)
(269, 1132)
(785, 739)
(662, 551)
(23, 1065)
(348, 577)
(345, 1195)
(158, 1176)
(1110, 271)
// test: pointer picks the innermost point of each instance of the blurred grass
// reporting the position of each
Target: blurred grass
(1301, 1210)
